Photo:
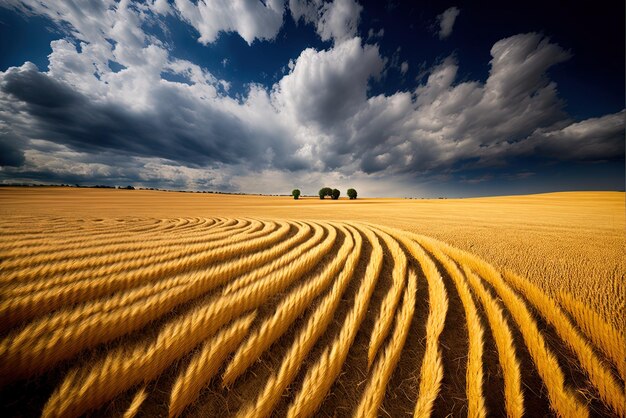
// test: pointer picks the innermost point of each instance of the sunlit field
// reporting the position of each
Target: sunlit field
(148, 303)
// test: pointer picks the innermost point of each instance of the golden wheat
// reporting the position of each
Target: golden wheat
(390, 302)
(474, 374)
(562, 399)
(23, 307)
(146, 361)
(75, 271)
(44, 343)
(283, 259)
(38, 241)
(116, 304)
(134, 406)
(431, 372)
(321, 376)
(291, 307)
(501, 331)
(109, 275)
(375, 390)
(205, 364)
(101, 253)
(606, 337)
(312, 330)
(88, 387)
(611, 392)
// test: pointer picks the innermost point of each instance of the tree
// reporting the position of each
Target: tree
(295, 193)
(351, 194)
(335, 194)
(325, 191)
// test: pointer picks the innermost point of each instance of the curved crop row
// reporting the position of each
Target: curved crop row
(99, 253)
(76, 271)
(305, 339)
(375, 390)
(279, 310)
(321, 376)
(608, 339)
(289, 308)
(47, 300)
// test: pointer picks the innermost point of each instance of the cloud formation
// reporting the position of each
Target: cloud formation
(337, 20)
(446, 21)
(85, 118)
(250, 19)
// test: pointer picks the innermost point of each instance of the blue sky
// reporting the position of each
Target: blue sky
(392, 98)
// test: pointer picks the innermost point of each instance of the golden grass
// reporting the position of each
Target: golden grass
(290, 307)
(104, 307)
(206, 363)
(321, 376)
(608, 339)
(501, 331)
(390, 302)
(379, 377)
(610, 390)
(562, 398)
(474, 374)
(303, 342)
(570, 241)
(134, 406)
(431, 372)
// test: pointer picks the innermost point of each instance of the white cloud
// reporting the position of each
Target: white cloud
(339, 20)
(324, 87)
(446, 21)
(307, 10)
(251, 19)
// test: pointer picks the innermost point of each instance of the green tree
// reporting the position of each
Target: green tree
(351, 194)
(295, 193)
(325, 191)
(335, 194)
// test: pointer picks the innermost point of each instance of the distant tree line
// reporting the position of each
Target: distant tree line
(327, 191)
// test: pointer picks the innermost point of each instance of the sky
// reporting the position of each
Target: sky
(403, 99)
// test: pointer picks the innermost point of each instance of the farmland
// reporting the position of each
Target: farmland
(147, 303)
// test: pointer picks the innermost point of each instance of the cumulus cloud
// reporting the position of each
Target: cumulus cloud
(305, 10)
(446, 21)
(337, 20)
(325, 87)
(251, 19)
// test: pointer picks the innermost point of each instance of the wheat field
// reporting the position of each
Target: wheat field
(119, 312)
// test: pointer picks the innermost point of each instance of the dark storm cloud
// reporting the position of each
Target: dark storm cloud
(590, 140)
(10, 154)
(172, 128)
